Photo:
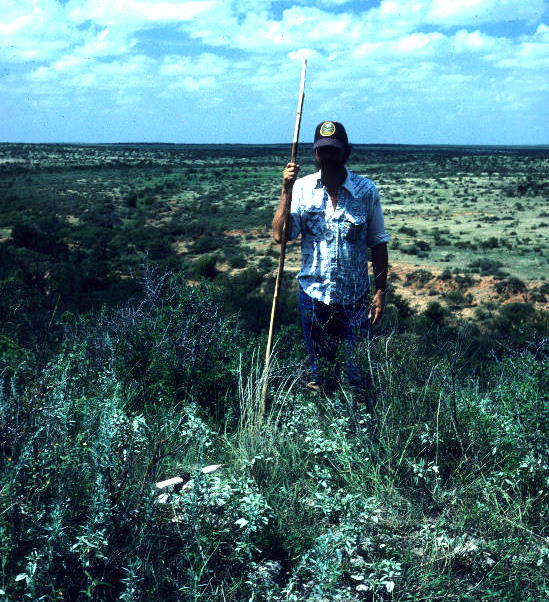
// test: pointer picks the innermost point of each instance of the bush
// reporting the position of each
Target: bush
(418, 247)
(510, 286)
(423, 245)
(435, 312)
(206, 243)
(131, 199)
(520, 324)
(42, 237)
(464, 280)
(404, 309)
(410, 249)
(205, 267)
(446, 275)
(487, 267)
(237, 261)
(418, 277)
(106, 417)
(159, 249)
(266, 264)
(241, 295)
(409, 230)
(457, 299)
(491, 243)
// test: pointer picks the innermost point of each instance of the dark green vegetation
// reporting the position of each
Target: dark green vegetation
(117, 374)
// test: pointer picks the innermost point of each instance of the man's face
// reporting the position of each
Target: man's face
(329, 158)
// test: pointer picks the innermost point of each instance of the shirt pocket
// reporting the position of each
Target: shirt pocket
(354, 227)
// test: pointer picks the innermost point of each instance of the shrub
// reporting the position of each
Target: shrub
(242, 296)
(206, 243)
(510, 286)
(491, 243)
(410, 249)
(265, 264)
(159, 249)
(435, 312)
(205, 267)
(486, 266)
(464, 280)
(131, 199)
(404, 309)
(520, 324)
(418, 277)
(446, 275)
(237, 261)
(409, 230)
(457, 299)
(183, 226)
(442, 241)
(42, 237)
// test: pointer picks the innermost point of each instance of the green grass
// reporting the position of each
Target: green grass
(441, 493)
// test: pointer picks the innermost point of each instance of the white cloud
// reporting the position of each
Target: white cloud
(68, 62)
(106, 42)
(134, 66)
(532, 53)
(420, 43)
(194, 84)
(475, 41)
(461, 12)
(299, 27)
(10, 28)
(32, 31)
(41, 74)
(401, 16)
(128, 12)
(207, 64)
(303, 53)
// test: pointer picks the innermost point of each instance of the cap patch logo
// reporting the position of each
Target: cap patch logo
(327, 129)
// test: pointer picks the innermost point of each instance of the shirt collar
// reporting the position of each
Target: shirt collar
(348, 184)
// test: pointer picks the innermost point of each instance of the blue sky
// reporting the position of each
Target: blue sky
(393, 71)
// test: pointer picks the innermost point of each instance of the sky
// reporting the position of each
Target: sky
(224, 71)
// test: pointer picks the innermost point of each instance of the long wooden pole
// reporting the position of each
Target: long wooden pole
(282, 244)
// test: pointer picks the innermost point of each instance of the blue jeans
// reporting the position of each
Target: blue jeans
(325, 328)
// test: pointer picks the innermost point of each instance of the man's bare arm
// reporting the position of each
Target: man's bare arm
(281, 216)
(380, 264)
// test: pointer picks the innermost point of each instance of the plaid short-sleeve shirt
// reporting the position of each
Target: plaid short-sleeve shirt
(334, 265)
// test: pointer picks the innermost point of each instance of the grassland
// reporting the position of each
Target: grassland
(135, 285)
(474, 211)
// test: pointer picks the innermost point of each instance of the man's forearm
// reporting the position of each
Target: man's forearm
(281, 216)
(380, 264)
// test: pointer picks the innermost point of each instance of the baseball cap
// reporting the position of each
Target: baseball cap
(330, 133)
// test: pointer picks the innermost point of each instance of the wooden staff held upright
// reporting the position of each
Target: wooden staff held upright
(282, 244)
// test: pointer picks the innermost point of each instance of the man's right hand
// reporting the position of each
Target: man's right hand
(289, 175)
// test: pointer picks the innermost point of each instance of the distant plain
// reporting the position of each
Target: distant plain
(468, 225)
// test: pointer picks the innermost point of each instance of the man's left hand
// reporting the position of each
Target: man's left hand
(376, 307)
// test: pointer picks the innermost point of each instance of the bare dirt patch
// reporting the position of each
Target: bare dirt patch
(482, 290)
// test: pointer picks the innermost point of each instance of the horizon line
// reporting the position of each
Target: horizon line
(354, 144)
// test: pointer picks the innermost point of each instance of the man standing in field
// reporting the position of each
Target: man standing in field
(338, 214)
